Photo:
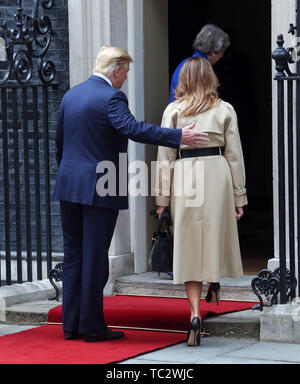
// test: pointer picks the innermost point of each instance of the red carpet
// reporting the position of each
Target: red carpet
(154, 312)
(46, 345)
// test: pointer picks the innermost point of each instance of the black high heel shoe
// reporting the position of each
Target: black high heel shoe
(213, 293)
(194, 335)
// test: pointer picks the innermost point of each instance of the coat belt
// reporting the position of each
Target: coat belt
(198, 152)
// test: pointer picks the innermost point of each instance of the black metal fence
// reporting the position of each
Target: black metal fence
(287, 84)
(24, 135)
(283, 281)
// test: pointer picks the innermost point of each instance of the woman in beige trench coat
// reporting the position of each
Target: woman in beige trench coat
(205, 188)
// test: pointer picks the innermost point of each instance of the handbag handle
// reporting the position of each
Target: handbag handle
(166, 216)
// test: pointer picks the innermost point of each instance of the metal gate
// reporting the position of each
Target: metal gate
(284, 280)
(25, 79)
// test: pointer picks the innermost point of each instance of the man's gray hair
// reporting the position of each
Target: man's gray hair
(211, 38)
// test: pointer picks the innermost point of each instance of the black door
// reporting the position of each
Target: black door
(246, 82)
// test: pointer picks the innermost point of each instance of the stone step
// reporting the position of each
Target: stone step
(33, 312)
(151, 284)
(240, 324)
(244, 324)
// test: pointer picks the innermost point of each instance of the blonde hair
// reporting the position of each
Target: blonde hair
(197, 87)
(109, 58)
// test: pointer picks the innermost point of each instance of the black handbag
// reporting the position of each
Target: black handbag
(161, 255)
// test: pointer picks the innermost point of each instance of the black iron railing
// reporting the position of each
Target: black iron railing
(280, 286)
(25, 79)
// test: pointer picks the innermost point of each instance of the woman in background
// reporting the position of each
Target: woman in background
(204, 187)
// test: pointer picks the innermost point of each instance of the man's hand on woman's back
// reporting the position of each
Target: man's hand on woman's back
(193, 138)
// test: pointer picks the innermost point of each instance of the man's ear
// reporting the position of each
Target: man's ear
(117, 71)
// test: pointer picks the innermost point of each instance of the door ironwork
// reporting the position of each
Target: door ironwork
(26, 76)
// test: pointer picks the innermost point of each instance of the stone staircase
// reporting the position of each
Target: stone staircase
(152, 284)
(244, 324)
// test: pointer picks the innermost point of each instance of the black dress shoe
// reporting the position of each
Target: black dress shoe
(105, 336)
(71, 335)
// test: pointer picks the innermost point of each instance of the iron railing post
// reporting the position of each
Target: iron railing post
(298, 140)
(280, 55)
(281, 191)
(291, 174)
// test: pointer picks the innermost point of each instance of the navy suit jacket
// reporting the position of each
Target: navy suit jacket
(94, 125)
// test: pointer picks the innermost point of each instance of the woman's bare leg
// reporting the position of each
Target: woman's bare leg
(193, 291)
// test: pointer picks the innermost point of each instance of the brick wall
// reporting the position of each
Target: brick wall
(59, 54)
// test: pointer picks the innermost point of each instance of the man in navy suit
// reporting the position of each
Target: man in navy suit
(94, 125)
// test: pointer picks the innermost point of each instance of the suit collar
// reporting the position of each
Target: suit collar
(99, 79)
(104, 77)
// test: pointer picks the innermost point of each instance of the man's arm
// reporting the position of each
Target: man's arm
(123, 121)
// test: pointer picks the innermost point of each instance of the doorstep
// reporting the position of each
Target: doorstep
(151, 284)
(239, 324)
(29, 313)
(244, 324)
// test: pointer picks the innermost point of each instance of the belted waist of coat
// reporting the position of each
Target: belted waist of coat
(198, 152)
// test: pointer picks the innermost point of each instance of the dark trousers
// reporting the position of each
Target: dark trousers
(87, 234)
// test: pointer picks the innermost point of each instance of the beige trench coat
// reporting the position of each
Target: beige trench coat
(202, 193)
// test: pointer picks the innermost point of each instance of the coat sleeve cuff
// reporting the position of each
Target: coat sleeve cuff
(240, 201)
(162, 201)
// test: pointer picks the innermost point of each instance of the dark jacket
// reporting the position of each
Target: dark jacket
(94, 125)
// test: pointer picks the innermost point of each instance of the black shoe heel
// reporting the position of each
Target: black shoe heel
(194, 335)
(213, 293)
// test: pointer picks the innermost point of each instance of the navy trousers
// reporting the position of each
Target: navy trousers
(87, 234)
